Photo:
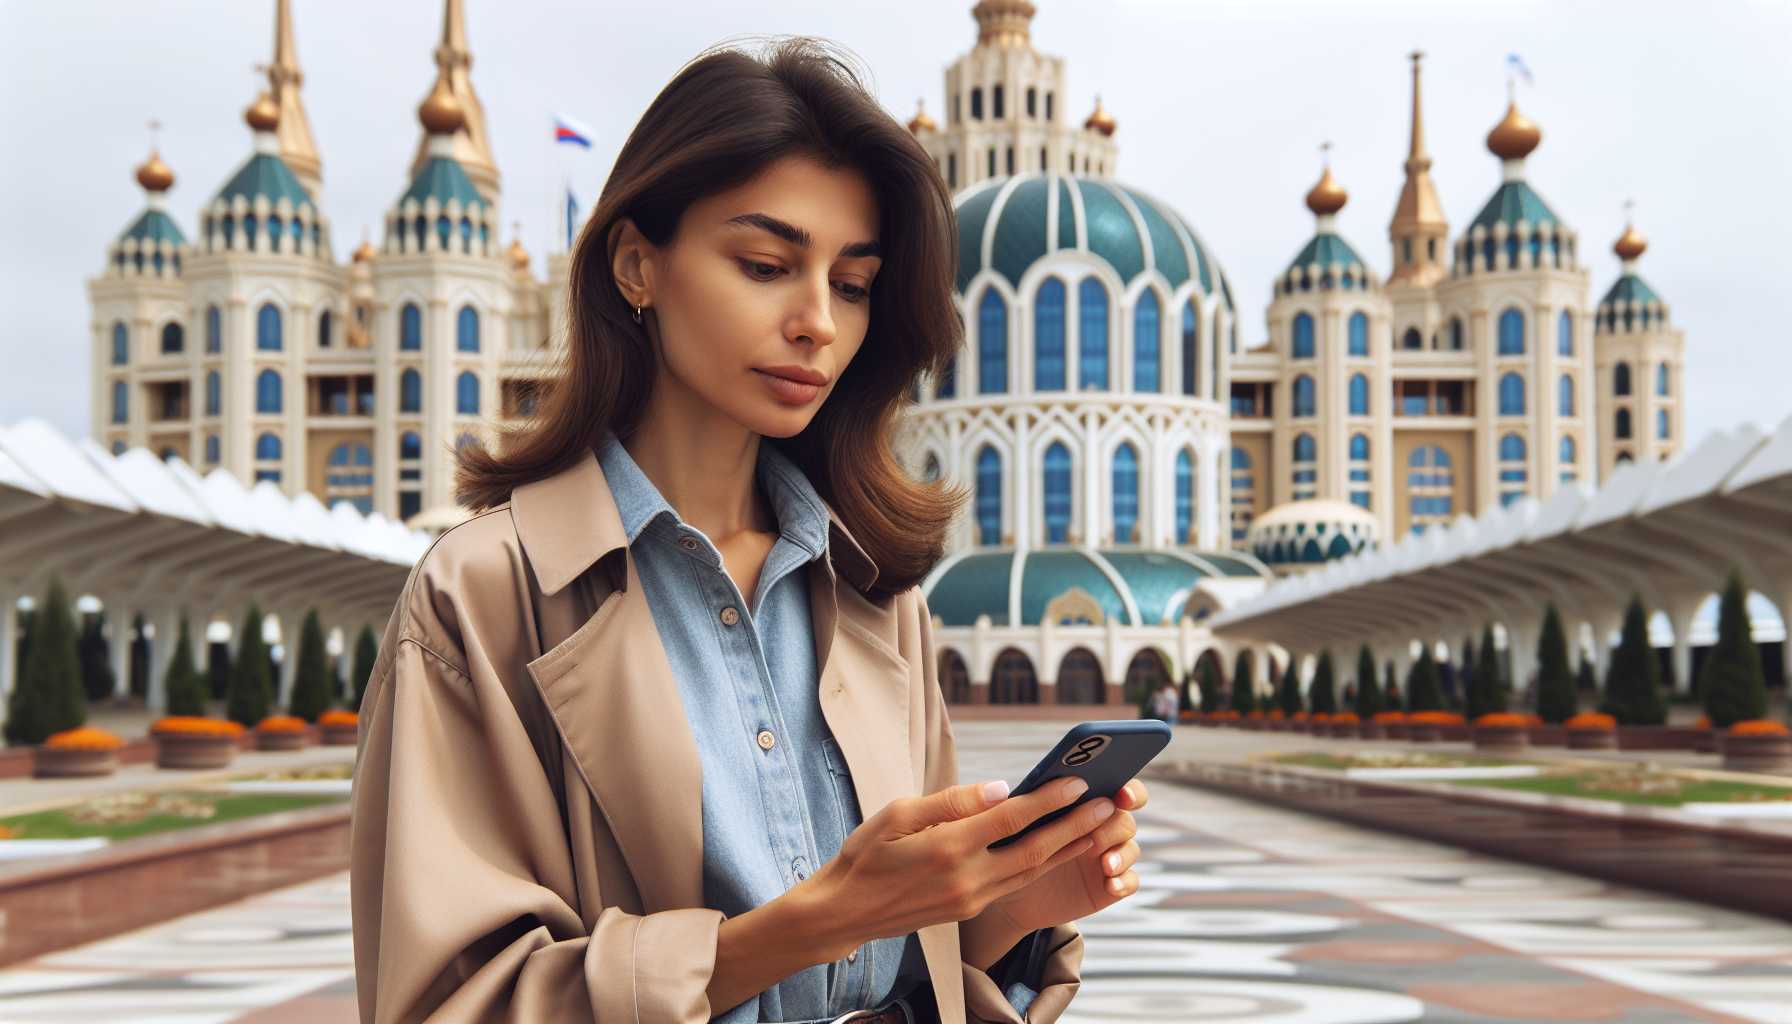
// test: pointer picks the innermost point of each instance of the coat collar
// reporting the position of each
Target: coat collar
(568, 521)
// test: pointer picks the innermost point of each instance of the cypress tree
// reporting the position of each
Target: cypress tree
(1470, 677)
(1422, 692)
(1633, 685)
(217, 669)
(1734, 686)
(1244, 685)
(182, 684)
(1368, 694)
(1584, 679)
(1556, 700)
(1488, 694)
(367, 651)
(311, 685)
(1322, 696)
(252, 683)
(1207, 684)
(1391, 694)
(48, 697)
(97, 680)
(1288, 695)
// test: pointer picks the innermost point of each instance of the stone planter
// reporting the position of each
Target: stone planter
(345, 735)
(1505, 739)
(1771, 754)
(64, 763)
(272, 740)
(1592, 739)
(1394, 730)
(194, 750)
(1706, 741)
(1459, 733)
(1548, 736)
(1657, 737)
(1344, 730)
(1424, 732)
(1371, 731)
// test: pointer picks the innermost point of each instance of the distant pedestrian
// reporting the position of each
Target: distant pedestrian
(1165, 703)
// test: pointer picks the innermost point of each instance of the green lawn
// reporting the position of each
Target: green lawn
(125, 815)
(1661, 790)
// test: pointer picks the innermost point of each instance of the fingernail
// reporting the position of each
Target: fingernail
(997, 790)
(1116, 884)
(1075, 788)
(1103, 808)
(1113, 861)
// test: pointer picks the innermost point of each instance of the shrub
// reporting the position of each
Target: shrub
(1322, 694)
(251, 684)
(1421, 683)
(1556, 700)
(1731, 680)
(367, 651)
(311, 682)
(97, 678)
(1368, 693)
(1633, 686)
(185, 689)
(1288, 694)
(48, 697)
(1244, 685)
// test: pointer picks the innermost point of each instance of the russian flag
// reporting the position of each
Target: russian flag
(568, 130)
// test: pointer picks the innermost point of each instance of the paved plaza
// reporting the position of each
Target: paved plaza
(1246, 913)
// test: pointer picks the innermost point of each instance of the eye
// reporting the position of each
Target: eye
(854, 293)
(759, 270)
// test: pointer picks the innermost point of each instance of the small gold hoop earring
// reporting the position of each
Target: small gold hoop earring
(637, 314)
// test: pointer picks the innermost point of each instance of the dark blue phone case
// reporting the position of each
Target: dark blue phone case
(1104, 753)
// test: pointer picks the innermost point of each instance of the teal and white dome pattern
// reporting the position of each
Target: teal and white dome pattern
(1080, 586)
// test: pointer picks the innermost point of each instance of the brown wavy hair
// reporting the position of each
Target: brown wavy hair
(725, 117)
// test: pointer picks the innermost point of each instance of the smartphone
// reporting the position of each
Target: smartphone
(1104, 753)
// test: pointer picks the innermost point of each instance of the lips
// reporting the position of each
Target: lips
(800, 374)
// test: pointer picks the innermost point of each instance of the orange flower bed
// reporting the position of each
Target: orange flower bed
(1184, 715)
(1255, 716)
(1506, 718)
(196, 725)
(1534, 720)
(1275, 715)
(1592, 720)
(1759, 727)
(337, 716)
(1704, 722)
(1321, 716)
(281, 723)
(1345, 718)
(1300, 716)
(86, 737)
(1434, 718)
(1396, 717)
(1226, 716)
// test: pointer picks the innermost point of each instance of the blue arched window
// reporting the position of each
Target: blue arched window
(1303, 336)
(214, 393)
(214, 330)
(466, 393)
(1185, 497)
(1244, 501)
(1511, 333)
(410, 328)
(1146, 335)
(121, 402)
(410, 391)
(1126, 494)
(1306, 400)
(267, 447)
(1306, 466)
(1359, 334)
(989, 496)
(121, 344)
(267, 328)
(1661, 379)
(1565, 334)
(1511, 395)
(1359, 395)
(1621, 425)
(1621, 379)
(1565, 395)
(410, 446)
(1566, 456)
(174, 339)
(1092, 334)
(1359, 470)
(1661, 424)
(1430, 486)
(267, 391)
(1057, 493)
(325, 321)
(213, 449)
(1191, 349)
(1048, 336)
(1359, 448)
(466, 330)
(1455, 334)
(992, 344)
(1514, 473)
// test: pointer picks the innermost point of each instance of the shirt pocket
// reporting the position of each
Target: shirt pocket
(846, 796)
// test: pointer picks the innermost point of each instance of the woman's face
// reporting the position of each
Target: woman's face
(763, 286)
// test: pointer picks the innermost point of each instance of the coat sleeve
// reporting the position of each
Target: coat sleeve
(1035, 981)
(464, 900)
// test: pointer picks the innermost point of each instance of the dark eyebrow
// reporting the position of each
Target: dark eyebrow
(797, 236)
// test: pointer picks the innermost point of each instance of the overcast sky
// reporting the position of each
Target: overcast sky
(1221, 107)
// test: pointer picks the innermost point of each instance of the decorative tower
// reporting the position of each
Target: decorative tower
(284, 78)
(1641, 358)
(1418, 230)
(1004, 109)
(471, 147)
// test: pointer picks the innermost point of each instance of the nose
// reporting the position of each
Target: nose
(813, 315)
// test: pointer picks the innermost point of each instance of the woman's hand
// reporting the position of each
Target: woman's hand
(1084, 883)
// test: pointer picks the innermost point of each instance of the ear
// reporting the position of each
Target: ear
(631, 262)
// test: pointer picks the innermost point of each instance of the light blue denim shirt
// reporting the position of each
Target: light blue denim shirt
(770, 815)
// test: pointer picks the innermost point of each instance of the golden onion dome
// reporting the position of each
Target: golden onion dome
(440, 112)
(1100, 120)
(365, 252)
(519, 256)
(1328, 196)
(263, 115)
(921, 122)
(154, 175)
(1630, 244)
(1515, 136)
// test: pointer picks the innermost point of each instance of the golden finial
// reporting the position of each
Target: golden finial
(263, 115)
(1100, 120)
(153, 174)
(365, 252)
(1515, 136)
(440, 112)
(1631, 243)
(921, 122)
(519, 256)
(1328, 196)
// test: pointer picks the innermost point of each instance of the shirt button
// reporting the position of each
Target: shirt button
(730, 616)
(766, 739)
(800, 868)
(850, 957)
(688, 543)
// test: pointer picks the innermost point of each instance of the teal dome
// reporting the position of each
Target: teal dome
(1513, 203)
(442, 179)
(1312, 531)
(1033, 215)
(267, 175)
(1629, 288)
(1130, 586)
(1630, 304)
(1327, 249)
(154, 227)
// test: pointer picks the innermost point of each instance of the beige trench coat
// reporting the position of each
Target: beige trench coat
(526, 841)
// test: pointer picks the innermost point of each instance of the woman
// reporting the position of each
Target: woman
(657, 736)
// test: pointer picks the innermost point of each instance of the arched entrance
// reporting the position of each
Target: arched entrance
(1013, 680)
(1146, 673)
(1079, 678)
(955, 679)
